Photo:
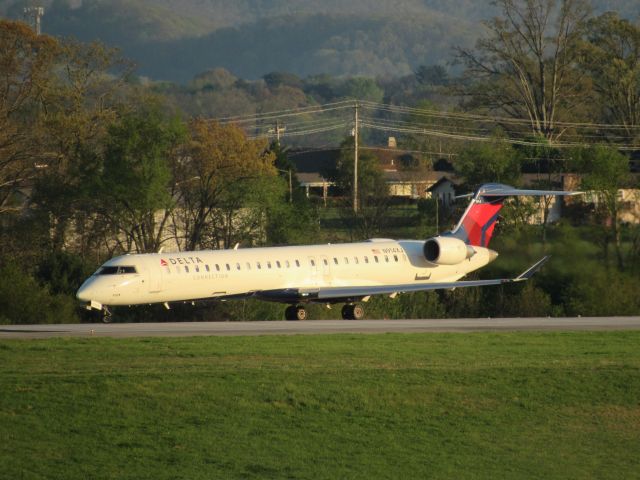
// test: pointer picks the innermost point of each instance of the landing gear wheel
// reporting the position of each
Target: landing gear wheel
(352, 312)
(358, 312)
(295, 312)
(106, 315)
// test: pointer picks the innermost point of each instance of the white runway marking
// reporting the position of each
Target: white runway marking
(181, 329)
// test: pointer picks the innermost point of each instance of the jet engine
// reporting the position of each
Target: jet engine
(447, 250)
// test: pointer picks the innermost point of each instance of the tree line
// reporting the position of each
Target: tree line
(94, 163)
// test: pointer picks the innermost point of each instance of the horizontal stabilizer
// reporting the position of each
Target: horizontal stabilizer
(499, 190)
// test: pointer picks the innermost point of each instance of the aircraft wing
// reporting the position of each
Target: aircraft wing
(357, 292)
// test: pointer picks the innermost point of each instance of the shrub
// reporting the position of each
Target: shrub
(23, 300)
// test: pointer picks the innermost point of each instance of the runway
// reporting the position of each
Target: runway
(316, 327)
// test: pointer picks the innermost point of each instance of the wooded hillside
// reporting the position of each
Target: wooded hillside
(253, 37)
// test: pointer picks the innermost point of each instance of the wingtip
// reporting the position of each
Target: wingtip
(527, 274)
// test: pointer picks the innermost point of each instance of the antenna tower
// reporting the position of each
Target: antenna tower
(33, 15)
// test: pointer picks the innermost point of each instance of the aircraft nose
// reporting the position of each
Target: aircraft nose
(492, 255)
(86, 292)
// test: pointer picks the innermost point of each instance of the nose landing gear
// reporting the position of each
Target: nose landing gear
(106, 314)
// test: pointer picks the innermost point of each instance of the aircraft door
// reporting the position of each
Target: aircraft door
(153, 278)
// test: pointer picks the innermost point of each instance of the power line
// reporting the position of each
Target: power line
(344, 104)
(285, 113)
(494, 119)
(444, 125)
(459, 128)
(436, 133)
(300, 132)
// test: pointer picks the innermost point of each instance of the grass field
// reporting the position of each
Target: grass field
(504, 405)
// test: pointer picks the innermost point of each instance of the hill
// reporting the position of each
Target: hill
(253, 37)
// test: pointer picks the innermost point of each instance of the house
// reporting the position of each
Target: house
(401, 170)
(444, 191)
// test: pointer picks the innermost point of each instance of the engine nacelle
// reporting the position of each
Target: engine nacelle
(447, 250)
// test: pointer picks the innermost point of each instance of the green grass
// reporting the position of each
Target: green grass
(504, 405)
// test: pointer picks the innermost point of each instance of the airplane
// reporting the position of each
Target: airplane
(347, 273)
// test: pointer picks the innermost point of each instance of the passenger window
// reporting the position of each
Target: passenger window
(206, 267)
(268, 264)
(324, 260)
(375, 257)
(217, 267)
(258, 265)
(238, 266)
(355, 259)
(395, 257)
(248, 266)
(228, 267)
(186, 269)
(335, 260)
(366, 259)
(386, 258)
(286, 262)
(346, 261)
(278, 264)
(197, 268)
(313, 263)
(297, 263)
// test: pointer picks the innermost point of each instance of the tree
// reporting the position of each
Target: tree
(291, 218)
(141, 151)
(216, 79)
(373, 192)
(277, 79)
(426, 117)
(361, 88)
(432, 75)
(87, 90)
(525, 67)
(26, 63)
(611, 55)
(489, 162)
(605, 171)
(219, 159)
(23, 300)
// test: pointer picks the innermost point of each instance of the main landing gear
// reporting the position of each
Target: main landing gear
(295, 312)
(352, 312)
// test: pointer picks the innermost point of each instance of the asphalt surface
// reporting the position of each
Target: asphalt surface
(179, 329)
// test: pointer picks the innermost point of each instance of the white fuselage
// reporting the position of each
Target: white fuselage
(186, 276)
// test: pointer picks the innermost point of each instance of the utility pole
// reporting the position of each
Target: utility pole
(290, 182)
(34, 17)
(355, 161)
(279, 130)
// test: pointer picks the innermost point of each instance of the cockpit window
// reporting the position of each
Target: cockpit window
(117, 270)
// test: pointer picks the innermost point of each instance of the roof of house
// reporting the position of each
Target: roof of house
(441, 181)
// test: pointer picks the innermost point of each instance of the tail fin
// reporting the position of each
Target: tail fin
(479, 219)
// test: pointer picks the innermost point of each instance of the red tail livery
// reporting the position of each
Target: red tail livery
(476, 225)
